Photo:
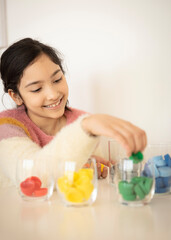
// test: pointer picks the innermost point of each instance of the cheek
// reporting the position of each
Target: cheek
(63, 88)
(66, 88)
(33, 100)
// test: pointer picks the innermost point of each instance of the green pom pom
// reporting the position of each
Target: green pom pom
(136, 157)
(131, 197)
(139, 155)
(126, 188)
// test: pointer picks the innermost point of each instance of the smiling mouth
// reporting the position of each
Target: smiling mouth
(54, 104)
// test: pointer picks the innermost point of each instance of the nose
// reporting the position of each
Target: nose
(51, 93)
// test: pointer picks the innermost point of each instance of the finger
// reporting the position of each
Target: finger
(112, 162)
(123, 141)
(139, 142)
(144, 140)
(98, 170)
(139, 136)
(128, 131)
(101, 160)
(105, 172)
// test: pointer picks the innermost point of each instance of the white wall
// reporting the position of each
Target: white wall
(117, 54)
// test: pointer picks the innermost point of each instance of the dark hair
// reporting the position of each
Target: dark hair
(18, 56)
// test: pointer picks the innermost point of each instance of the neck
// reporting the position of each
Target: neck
(53, 126)
(50, 126)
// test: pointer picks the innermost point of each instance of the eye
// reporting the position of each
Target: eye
(58, 80)
(37, 90)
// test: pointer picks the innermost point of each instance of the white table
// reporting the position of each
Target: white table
(106, 219)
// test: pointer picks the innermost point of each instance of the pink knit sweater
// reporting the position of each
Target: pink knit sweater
(16, 122)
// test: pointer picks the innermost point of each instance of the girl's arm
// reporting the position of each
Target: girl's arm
(72, 143)
(131, 137)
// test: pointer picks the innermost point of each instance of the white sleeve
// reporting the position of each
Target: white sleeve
(72, 143)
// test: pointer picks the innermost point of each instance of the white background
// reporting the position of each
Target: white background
(117, 54)
(3, 26)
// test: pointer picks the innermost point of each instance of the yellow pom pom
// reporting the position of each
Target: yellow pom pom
(74, 195)
(86, 189)
(63, 184)
(86, 172)
(76, 186)
(102, 166)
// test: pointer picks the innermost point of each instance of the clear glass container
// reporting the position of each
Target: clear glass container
(132, 187)
(78, 187)
(115, 153)
(34, 179)
(160, 155)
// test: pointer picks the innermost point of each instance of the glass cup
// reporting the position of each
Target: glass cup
(132, 186)
(115, 153)
(34, 180)
(160, 155)
(78, 187)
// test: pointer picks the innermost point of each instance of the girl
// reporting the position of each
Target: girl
(43, 124)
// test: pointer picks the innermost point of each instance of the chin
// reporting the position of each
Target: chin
(58, 114)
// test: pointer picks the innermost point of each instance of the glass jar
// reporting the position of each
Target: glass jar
(132, 187)
(78, 187)
(34, 179)
(115, 153)
(160, 156)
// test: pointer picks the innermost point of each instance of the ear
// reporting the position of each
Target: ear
(17, 99)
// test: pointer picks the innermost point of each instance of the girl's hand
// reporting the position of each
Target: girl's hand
(99, 161)
(131, 137)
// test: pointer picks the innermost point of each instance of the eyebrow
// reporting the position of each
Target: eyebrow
(36, 82)
(53, 74)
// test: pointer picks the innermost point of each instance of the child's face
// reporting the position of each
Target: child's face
(44, 90)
